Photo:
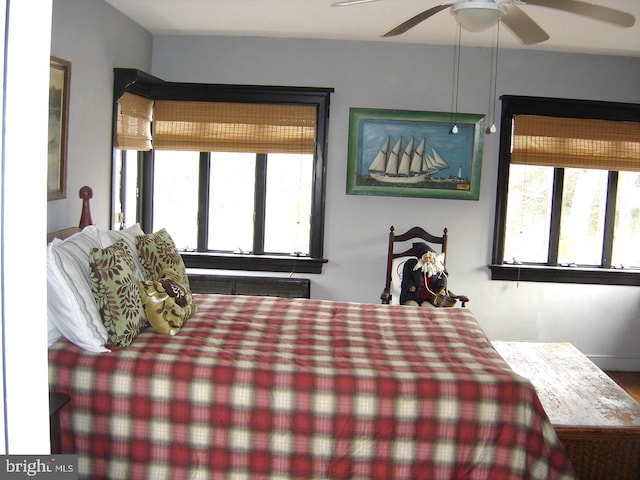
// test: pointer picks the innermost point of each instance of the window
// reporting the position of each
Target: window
(236, 174)
(568, 204)
(231, 199)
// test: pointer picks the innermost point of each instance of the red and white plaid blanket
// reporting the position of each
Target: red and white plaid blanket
(275, 388)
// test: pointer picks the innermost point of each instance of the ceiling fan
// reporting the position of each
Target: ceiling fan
(479, 15)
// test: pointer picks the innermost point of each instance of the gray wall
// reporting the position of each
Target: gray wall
(602, 321)
(95, 38)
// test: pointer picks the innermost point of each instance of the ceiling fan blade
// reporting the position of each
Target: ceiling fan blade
(596, 12)
(413, 21)
(346, 3)
(523, 26)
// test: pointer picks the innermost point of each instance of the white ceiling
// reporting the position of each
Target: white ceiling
(317, 19)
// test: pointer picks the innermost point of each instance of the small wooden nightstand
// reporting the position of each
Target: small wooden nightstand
(57, 400)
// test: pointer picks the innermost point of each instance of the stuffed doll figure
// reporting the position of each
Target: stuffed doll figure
(423, 276)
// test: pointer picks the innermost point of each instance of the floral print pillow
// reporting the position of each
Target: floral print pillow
(168, 303)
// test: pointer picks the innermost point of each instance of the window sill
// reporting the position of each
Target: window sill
(254, 263)
(535, 273)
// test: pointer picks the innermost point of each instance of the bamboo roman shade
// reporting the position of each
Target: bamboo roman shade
(234, 127)
(576, 143)
(133, 125)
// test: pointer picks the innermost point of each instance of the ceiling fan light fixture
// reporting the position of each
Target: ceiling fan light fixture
(347, 3)
(478, 16)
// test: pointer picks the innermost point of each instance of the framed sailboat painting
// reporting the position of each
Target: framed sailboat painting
(404, 153)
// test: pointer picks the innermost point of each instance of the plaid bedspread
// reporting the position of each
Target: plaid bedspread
(275, 388)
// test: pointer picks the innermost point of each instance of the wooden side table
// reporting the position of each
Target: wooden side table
(57, 400)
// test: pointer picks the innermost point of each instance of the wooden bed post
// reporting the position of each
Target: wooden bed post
(85, 217)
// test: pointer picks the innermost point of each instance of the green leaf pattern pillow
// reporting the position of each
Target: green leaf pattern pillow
(115, 287)
(157, 251)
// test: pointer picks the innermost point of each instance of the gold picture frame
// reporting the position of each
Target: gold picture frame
(59, 86)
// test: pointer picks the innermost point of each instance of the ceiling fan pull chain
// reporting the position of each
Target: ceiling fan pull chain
(456, 81)
(493, 84)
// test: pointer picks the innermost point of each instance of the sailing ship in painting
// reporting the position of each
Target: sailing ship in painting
(409, 166)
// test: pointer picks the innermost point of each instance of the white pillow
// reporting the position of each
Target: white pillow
(71, 307)
(53, 334)
(396, 278)
(109, 237)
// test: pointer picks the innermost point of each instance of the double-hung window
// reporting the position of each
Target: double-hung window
(568, 203)
(235, 174)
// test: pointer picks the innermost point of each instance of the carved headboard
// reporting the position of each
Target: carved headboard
(86, 194)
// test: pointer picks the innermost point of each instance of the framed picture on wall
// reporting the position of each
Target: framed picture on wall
(414, 154)
(59, 86)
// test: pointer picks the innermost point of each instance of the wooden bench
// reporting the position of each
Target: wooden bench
(596, 420)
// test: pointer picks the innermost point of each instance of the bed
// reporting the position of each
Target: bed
(257, 387)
